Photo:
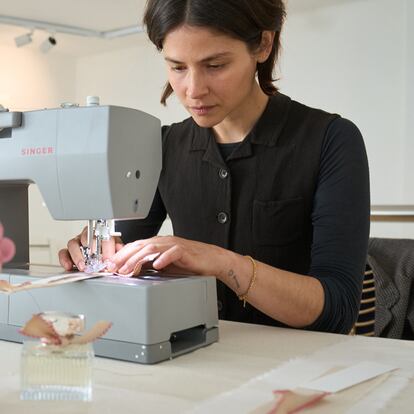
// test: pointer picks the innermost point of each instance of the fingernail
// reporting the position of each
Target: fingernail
(124, 269)
(111, 266)
(81, 266)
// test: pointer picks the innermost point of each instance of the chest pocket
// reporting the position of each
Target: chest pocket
(277, 222)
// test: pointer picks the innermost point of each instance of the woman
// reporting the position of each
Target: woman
(267, 194)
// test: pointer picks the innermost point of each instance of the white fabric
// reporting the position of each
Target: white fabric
(294, 374)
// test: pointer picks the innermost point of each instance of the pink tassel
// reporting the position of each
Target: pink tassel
(7, 248)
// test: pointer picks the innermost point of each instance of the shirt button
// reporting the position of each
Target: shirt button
(222, 218)
(223, 173)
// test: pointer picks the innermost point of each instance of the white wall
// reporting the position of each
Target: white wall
(31, 80)
(132, 77)
(409, 112)
(352, 57)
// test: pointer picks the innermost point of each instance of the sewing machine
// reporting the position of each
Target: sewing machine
(96, 163)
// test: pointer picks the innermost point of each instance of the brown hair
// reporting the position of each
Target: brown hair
(244, 20)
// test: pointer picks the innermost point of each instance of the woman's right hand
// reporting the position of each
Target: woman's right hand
(72, 255)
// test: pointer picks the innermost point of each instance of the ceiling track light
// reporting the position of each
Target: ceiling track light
(50, 27)
(73, 30)
(48, 44)
(24, 39)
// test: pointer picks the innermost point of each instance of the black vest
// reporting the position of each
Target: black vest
(259, 202)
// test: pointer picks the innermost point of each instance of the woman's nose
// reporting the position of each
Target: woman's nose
(196, 86)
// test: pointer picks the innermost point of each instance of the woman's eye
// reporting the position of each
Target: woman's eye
(178, 68)
(216, 66)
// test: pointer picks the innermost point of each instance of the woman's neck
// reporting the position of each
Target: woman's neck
(237, 125)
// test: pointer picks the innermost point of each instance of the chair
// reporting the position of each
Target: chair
(365, 324)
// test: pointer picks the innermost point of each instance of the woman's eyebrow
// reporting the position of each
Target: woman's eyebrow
(207, 59)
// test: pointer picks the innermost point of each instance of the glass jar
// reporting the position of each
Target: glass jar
(53, 372)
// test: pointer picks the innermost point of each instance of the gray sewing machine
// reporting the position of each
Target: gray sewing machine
(96, 163)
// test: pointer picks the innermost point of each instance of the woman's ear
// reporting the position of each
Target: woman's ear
(266, 46)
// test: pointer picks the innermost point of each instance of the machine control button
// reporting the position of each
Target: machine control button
(222, 217)
(223, 174)
(92, 101)
(69, 105)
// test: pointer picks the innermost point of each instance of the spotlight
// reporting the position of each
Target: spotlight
(47, 44)
(24, 39)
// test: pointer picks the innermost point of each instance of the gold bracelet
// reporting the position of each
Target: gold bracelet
(253, 279)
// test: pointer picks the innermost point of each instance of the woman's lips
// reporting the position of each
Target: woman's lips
(202, 110)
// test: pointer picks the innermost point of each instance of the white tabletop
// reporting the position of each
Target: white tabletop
(243, 352)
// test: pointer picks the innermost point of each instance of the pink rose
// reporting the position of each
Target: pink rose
(7, 248)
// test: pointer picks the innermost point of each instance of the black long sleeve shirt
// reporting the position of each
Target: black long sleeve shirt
(250, 201)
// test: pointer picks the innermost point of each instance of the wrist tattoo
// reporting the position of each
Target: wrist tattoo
(233, 276)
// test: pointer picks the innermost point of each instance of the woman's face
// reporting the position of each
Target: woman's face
(212, 74)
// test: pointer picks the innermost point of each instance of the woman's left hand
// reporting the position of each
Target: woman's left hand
(175, 255)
